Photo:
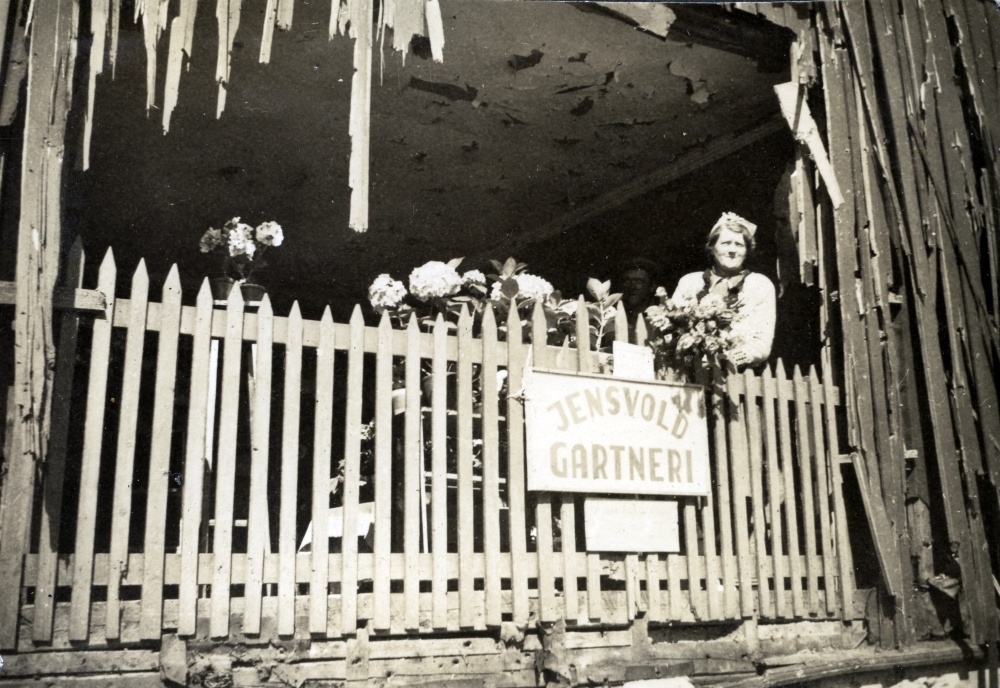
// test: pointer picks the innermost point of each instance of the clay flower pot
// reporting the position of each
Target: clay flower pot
(252, 294)
(221, 287)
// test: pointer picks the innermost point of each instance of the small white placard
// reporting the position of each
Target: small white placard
(631, 525)
(632, 361)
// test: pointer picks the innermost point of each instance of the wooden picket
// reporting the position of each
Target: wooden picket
(458, 557)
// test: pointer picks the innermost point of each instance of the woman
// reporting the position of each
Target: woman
(750, 294)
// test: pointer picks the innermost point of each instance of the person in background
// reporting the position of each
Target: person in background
(751, 294)
(638, 289)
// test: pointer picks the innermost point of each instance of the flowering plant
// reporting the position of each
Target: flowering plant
(239, 244)
(690, 335)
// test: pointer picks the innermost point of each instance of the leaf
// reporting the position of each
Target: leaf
(597, 288)
(612, 300)
(509, 287)
(509, 268)
(497, 265)
(455, 262)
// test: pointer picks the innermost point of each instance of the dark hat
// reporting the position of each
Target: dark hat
(639, 263)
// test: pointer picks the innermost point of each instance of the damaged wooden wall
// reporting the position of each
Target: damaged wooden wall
(907, 259)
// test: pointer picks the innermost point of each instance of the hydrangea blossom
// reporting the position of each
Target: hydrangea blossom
(211, 240)
(270, 234)
(533, 287)
(474, 277)
(386, 292)
(434, 280)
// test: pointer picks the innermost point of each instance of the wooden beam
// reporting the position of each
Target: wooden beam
(49, 95)
(63, 298)
(685, 164)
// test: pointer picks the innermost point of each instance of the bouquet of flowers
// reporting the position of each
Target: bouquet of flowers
(241, 246)
(688, 335)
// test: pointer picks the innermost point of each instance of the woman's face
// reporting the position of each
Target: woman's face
(729, 251)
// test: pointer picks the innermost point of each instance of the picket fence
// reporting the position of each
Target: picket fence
(201, 442)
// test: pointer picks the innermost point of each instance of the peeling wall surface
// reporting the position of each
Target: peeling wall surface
(537, 109)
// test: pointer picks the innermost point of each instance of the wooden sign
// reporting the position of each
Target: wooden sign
(610, 435)
(633, 525)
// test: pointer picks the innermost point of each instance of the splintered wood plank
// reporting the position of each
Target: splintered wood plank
(290, 419)
(225, 466)
(547, 610)
(194, 463)
(439, 478)
(54, 469)
(740, 487)
(267, 35)
(491, 471)
(322, 456)
(361, 102)
(791, 493)
(765, 605)
(352, 475)
(413, 471)
(466, 515)
(516, 358)
(227, 16)
(383, 474)
(806, 489)
(655, 604)
(286, 9)
(99, 31)
(823, 505)
(675, 596)
(776, 491)
(154, 540)
(125, 453)
(696, 597)
(258, 523)
(719, 401)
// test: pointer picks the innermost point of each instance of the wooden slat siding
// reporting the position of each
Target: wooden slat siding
(964, 282)
(806, 491)
(824, 508)
(654, 608)
(439, 481)
(845, 561)
(969, 450)
(516, 358)
(491, 471)
(412, 479)
(194, 464)
(225, 465)
(154, 539)
(547, 609)
(791, 493)
(125, 452)
(730, 603)
(290, 418)
(945, 447)
(776, 491)
(859, 412)
(55, 463)
(713, 574)
(740, 493)
(321, 473)
(352, 476)
(873, 235)
(765, 605)
(384, 440)
(466, 516)
(258, 525)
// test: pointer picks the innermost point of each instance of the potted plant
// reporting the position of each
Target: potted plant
(242, 248)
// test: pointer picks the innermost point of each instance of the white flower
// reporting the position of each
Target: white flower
(386, 292)
(434, 280)
(241, 239)
(270, 234)
(532, 286)
(474, 277)
(661, 293)
(495, 293)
